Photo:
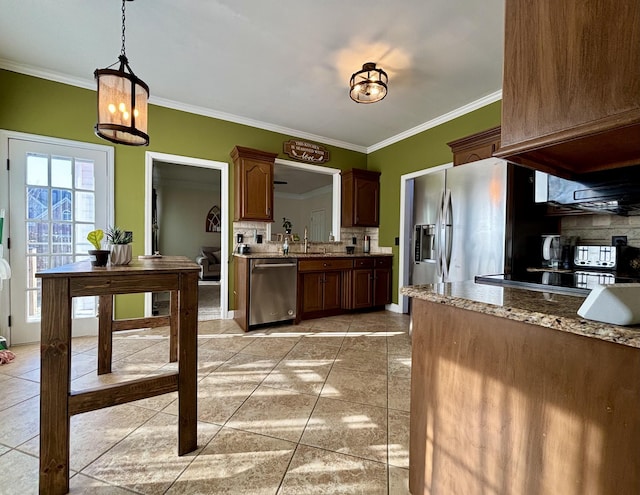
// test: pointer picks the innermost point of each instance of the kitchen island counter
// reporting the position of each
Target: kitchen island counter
(513, 392)
(556, 311)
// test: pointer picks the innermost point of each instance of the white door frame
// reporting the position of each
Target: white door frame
(223, 167)
(406, 220)
(5, 136)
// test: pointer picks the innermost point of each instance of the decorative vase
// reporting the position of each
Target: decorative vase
(121, 254)
(99, 257)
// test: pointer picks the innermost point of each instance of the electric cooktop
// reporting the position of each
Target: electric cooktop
(572, 282)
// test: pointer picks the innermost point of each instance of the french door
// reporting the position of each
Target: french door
(58, 193)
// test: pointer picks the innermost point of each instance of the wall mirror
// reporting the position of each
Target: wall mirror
(308, 196)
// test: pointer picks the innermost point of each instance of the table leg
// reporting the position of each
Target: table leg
(105, 334)
(188, 363)
(174, 322)
(54, 386)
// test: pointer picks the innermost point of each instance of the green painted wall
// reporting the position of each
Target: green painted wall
(424, 150)
(38, 106)
(42, 107)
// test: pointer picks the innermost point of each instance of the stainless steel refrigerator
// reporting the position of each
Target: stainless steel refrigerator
(459, 217)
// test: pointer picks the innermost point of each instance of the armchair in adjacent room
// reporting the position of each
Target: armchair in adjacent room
(209, 261)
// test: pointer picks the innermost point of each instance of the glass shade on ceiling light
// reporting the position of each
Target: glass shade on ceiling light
(122, 101)
(369, 84)
(122, 106)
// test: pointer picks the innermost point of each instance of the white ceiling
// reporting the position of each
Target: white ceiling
(282, 65)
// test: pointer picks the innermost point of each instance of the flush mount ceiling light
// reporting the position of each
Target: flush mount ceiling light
(122, 102)
(369, 84)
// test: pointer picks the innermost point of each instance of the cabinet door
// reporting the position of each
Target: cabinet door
(257, 190)
(570, 84)
(381, 286)
(312, 292)
(362, 288)
(367, 193)
(332, 292)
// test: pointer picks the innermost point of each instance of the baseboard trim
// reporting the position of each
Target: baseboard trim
(394, 308)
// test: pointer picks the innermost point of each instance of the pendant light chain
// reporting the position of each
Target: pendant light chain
(122, 51)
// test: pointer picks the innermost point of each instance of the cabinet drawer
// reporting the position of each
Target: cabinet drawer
(363, 263)
(324, 265)
(384, 262)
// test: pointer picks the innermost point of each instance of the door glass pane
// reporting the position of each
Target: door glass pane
(61, 204)
(37, 170)
(61, 260)
(61, 241)
(84, 175)
(82, 244)
(37, 203)
(85, 207)
(61, 172)
(37, 238)
(35, 264)
(85, 306)
(33, 304)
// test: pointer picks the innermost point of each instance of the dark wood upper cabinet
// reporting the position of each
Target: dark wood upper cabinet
(571, 85)
(360, 198)
(476, 147)
(253, 177)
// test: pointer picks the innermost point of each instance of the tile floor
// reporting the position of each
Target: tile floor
(317, 408)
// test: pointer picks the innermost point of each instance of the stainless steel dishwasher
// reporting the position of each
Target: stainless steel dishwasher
(272, 290)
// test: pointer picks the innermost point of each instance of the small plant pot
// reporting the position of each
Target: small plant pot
(121, 254)
(99, 257)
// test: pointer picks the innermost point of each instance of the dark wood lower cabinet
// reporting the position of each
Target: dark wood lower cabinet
(335, 285)
(362, 288)
(381, 286)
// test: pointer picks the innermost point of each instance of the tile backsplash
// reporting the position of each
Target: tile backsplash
(250, 230)
(598, 229)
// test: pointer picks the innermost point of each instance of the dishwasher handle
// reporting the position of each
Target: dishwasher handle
(275, 265)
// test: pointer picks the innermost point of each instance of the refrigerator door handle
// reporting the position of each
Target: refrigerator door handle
(448, 231)
(445, 229)
(439, 235)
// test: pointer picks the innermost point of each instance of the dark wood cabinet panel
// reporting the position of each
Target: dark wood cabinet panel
(332, 290)
(362, 288)
(241, 292)
(381, 286)
(570, 85)
(253, 176)
(475, 147)
(312, 292)
(371, 282)
(360, 198)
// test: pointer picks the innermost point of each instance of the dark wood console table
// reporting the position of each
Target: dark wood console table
(178, 275)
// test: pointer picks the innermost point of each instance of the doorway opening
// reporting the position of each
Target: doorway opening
(180, 194)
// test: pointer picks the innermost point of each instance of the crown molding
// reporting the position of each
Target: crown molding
(162, 102)
(454, 114)
(90, 84)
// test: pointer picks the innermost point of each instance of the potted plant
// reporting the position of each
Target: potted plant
(286, 225)
(120, 241)
(98, 256)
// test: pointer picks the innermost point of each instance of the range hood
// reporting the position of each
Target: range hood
(614, 191)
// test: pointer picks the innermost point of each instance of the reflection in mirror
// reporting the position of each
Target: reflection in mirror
(306, 195)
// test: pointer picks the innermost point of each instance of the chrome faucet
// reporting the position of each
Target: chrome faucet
(306, 241)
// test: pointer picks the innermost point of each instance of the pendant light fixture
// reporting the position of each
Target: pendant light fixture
(369, 84)
(122, 101)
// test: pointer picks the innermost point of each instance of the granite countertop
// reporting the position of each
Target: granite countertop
(557, 311)
(312, 255)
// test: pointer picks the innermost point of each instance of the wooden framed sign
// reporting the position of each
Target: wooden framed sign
(305, 152)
